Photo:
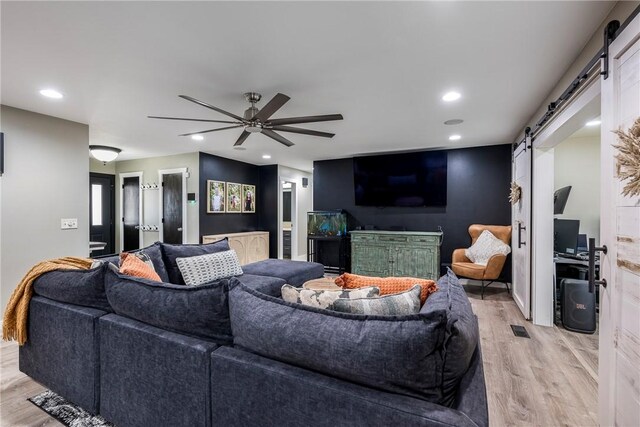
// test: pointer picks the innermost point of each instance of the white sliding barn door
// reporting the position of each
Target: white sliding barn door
(521, 226)
(619, 371)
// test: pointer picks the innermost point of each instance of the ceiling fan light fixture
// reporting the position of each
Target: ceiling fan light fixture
(104, 153)
(253, 128)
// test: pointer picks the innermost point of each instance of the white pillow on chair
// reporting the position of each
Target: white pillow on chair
(486, 246)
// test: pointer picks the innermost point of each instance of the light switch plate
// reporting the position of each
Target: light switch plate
(68, 223)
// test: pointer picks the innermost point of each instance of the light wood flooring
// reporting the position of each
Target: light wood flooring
(548, 380)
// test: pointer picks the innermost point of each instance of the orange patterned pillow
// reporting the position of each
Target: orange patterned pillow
(387, 285)
(131, 265)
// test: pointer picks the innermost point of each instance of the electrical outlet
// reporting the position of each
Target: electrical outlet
(68, 223)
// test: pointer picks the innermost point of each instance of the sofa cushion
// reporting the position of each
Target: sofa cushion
(399, 354)
(200, 311)
(79, 287)
(200, 269)
(294, 273)
(388, 285)
(325, 298)
(171, 252)
(264, 284)
(407, 302)
(461, 333)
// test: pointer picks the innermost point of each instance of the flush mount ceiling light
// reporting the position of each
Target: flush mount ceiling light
(197, 137)
(453, 122)
(103, 153)
(455, 138)
(592, 123)
(451, 96)
(266, 156)
(51, 93)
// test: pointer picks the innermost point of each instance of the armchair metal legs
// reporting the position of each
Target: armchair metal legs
(490, 282)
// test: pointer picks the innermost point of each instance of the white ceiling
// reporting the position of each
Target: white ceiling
(384, 66)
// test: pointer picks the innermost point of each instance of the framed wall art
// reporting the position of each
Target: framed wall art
(216, 196)
(248, 198)
(234, 197)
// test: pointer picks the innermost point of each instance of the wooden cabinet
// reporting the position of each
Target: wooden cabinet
(396, 253)
(251, 246)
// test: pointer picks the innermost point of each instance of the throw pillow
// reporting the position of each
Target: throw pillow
(388, 285)
(486, 246)
(400, 304)
(198, 270)
(132, 265)
(324, 298)
(142, 255)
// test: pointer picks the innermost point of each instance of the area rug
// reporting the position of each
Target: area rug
(66, 412)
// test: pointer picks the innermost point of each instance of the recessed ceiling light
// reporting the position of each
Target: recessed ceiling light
(197, 137)
(593, 122)
(266, 156)
(51, 93)
(453, 122)
(454, 137)
(451, 96)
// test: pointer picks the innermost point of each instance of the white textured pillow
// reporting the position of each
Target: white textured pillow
(325, 298)
(485, 247)
(197, 270)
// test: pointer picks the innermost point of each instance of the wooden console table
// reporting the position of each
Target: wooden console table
(396, 253)
(251, 246)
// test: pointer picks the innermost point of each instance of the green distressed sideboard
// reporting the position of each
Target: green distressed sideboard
(396, 253)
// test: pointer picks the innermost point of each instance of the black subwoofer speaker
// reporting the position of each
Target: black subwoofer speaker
(578, 306)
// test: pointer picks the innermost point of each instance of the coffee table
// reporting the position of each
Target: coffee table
(321, 284)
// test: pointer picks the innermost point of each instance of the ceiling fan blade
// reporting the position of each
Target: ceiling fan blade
(191, 120)
(211, 130)
(272, 106)
(303, 131)
(306, 119)
(281, 139)
(204, 104)
(244, 135)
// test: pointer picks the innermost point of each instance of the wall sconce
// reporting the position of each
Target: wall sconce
(103, 153)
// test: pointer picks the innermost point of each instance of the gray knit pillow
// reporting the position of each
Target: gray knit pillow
(324, 298)
(201, 269)
(400, 304)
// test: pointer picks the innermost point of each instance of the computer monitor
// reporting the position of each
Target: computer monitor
(565, 235)
(560, 199)
(582, 243)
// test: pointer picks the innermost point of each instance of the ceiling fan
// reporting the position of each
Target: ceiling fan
(256, 120)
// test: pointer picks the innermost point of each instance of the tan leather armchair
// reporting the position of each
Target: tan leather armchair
(463, 267)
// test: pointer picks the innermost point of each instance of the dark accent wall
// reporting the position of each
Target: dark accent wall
(478, 181)
(265, 178)
(268, 206)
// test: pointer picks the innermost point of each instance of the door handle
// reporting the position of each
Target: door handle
(179, 228)
(520, 228)
(592, 265)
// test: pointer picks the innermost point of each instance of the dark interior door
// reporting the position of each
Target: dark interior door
(102, 211)
(131, 213)
(172, 208)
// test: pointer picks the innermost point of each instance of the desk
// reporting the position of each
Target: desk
(563, 269)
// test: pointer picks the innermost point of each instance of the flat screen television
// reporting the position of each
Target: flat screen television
(405, 180)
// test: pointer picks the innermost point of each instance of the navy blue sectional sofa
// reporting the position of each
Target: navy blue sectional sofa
(233, 353)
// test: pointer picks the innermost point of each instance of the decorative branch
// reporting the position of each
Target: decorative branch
(628, 159)
(515, 194)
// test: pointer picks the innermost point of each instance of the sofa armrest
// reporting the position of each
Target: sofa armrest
(459, 256)
(494, 267)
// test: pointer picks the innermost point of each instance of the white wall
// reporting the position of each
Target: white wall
(46, 178)
(577, 163)
(150, 167)
(304, 204)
